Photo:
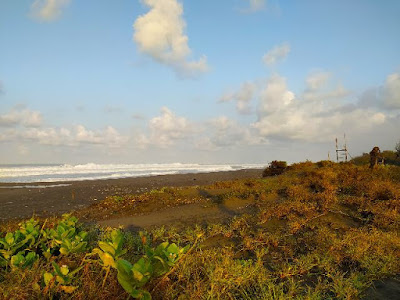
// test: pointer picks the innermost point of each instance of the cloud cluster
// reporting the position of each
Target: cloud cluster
(242, 96)
(48, 10)
(160, 34)
(318, 88)
(223, 132)
(22, 124)
(165, 130)
(276, 54)
(317, 80)
(274, 96)
(391, 91)
(169, 130)
(309, 117)
(279, 114)
(20, 116)
(76, 136)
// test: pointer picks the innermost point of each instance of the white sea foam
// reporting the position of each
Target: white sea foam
(41, 186)
(91, 171)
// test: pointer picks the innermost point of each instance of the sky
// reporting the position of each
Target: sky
(162, 81)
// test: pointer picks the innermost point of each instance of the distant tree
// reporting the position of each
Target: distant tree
(397, 148)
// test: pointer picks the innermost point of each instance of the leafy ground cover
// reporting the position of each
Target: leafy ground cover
(317, 231)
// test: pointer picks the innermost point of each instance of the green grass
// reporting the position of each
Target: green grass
(319, 231)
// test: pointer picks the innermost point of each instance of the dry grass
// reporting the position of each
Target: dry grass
(320, 231)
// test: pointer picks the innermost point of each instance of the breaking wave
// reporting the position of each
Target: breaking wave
(91, 171)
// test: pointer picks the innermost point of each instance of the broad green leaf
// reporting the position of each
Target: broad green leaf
(106, 247)
(64, 251)
(64, 270)
(141, 294)
(30, 258)
(56, 268)
(60, 229)
(137, 275)
(124, 268)
(80, 247)
(3, 262)
(161, 247)
(126, 284)
(6, 253)
(145, 295)
(9, 238)
(67, 243)
(83, 234)
(17, 260)
(47, 278)
(60, 279)
(173, 248)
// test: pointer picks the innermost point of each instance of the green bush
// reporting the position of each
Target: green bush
(276, 167)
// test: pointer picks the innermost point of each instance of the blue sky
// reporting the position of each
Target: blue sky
(196, 81)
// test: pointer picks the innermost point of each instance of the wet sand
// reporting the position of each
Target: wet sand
(47, 201)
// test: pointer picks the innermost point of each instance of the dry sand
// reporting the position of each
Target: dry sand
(24, 202)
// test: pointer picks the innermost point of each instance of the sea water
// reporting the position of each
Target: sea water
(91, 171)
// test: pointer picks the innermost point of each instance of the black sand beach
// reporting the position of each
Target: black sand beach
(24, 202)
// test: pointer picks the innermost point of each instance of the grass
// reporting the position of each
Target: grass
(319, 231)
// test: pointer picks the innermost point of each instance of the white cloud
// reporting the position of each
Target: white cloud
(281, 115)
(274, 96)
(167, 128)
(391, 91)
(276, 54)
(23, 124)
(8, 134)
(48, 136)
(317, 80)
(242, 97)
(336, 93)
(160, 34)
(385, 97)
(223, 132)
(74, 137)
(319, 88)
(21, 116)
(48, 10)
(109, 136)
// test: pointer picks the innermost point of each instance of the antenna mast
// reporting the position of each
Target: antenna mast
(341, 154)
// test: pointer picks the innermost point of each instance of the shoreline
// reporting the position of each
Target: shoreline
(17, 202)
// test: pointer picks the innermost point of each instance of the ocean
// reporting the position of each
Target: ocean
(91, 171)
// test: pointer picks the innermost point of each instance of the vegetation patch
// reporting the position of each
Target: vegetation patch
(317, 231)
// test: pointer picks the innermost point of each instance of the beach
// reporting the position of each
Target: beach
(47, 199)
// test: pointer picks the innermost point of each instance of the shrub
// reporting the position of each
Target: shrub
(276, 167)
(325, 164)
